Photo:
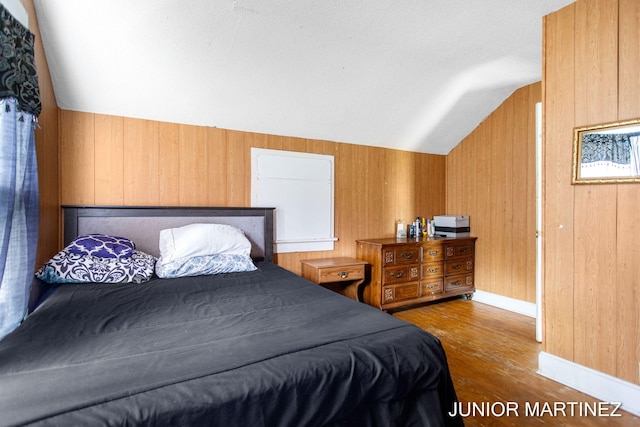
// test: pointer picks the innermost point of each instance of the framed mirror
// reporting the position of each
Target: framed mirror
(607, 153)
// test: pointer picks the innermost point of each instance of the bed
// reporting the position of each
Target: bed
(252, 348)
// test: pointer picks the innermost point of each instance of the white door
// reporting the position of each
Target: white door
(539, 222)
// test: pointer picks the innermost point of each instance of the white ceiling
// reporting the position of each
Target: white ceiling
(414, 75)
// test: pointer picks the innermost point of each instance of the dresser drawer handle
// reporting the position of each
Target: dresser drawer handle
(456, 267)
(396, 275)
(456, 283)
(464, 250)
(433, 253)
(407, 256)
(343, 274)
(433, 270)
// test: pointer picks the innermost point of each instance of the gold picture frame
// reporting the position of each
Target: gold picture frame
(593, 161)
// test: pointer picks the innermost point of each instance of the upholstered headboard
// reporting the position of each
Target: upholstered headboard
(143, 224)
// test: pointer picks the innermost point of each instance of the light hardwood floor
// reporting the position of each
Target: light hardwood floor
(493, 358)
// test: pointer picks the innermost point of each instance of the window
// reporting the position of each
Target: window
(300, 187)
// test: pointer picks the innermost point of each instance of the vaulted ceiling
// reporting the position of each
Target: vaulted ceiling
(414, 75)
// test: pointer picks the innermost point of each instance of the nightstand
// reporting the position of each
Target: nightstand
(343, 275)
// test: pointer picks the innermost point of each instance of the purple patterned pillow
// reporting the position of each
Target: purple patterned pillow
(67, 267)
(101, 245)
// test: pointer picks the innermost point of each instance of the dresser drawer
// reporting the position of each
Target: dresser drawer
(400, 274)
(431, 287)
(432, 252)
(461, 281)
(458, 266)
(401, 255)
(452, 251)
(405, 291)
(432, 269)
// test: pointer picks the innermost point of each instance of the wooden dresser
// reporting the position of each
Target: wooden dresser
(409, 271)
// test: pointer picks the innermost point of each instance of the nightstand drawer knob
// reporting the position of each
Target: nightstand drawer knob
(343, 274)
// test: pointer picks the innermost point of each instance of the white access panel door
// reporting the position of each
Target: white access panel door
(300, 187)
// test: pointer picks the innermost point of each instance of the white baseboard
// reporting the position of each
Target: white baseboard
(506, 303)
(589, 381)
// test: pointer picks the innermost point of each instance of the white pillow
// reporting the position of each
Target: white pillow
(201, 240)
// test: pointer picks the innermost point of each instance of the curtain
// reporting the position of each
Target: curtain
(18, 77)
(19, 211)
(605, 155)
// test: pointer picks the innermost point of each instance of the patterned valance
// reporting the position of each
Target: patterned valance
(18, 77)
(615, 148)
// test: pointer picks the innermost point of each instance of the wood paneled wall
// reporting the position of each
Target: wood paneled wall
(109, 160)
(591, 277)
(491, 178)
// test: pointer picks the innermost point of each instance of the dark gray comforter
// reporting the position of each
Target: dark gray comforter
(264, 348)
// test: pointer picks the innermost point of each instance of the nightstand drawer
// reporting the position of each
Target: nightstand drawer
(338, 274)
(342, 274)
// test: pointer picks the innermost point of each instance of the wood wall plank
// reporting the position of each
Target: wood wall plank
(521, 198)
(239, 158)
(169, 162)
(141, 162)
(217, 172)
(596, 68)
(455, 202)
(109, 159)
(557, 233)
(77, 158)
(399, 193)
(481, 219)
(629, 60)
(429, 191)
(501, 197)
(345, 204)
(193, 168)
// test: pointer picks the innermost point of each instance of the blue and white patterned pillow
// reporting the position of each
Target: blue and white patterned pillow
(205, 265)
(69, 267)
(101, 245)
